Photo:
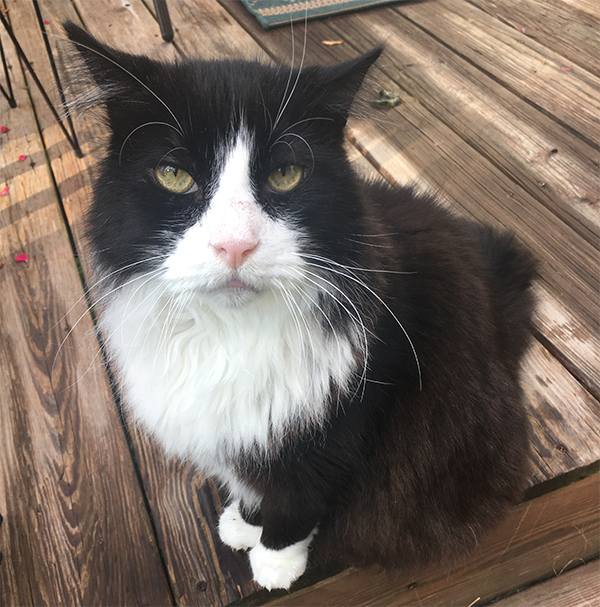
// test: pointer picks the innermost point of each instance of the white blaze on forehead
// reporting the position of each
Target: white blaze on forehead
(234, 176)
(232, 213)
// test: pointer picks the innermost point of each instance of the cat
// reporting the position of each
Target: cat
(342, 355)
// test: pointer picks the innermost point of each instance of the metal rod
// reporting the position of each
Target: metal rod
(164, 20)
(10, 95)
(23, 58)
(61, 92)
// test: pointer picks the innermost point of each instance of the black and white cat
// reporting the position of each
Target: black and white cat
(342, 356)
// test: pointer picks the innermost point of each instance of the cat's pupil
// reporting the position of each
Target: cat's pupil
(175, 180)
(285, 178)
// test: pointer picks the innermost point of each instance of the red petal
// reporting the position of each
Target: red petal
(22, 157)
(22, 257)
(4, 129)
(4, 192)
(46, 22)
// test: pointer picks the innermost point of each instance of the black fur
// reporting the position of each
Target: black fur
(421, 458)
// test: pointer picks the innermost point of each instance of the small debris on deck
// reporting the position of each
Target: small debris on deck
(388, 99)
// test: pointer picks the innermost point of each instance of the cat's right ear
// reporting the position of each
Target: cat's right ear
(111, 70)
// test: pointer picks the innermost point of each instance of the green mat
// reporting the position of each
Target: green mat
(271, 13)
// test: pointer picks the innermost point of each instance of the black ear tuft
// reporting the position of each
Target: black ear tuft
(99, 58)
(78, 36)
(111, 69)
(350, 74)
(108, 77)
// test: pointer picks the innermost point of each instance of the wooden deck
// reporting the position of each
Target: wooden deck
(500, 114)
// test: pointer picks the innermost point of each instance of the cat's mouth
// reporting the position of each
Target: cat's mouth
(234, 292)
(237, 283)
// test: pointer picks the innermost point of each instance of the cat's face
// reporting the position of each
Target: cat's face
(222, 178)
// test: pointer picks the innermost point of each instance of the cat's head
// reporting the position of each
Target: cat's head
(224, 177)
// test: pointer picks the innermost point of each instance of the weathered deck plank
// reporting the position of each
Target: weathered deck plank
(74, 515)
(551, 163)
(576, 588)
(568, 264)
(521, 64)
(571, 341)
(565, 28)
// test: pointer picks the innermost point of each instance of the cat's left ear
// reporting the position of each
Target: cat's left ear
(343, 81)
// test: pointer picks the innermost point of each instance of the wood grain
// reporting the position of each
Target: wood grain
(520, 63)
(205, 29)
(565, 28)
(576, 588)
(74, 515)
(570, 341)
(540, 538)
(565, 418)
(586, 6)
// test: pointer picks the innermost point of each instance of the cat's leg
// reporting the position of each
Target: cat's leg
(274, 568)
(239, 524)
(235, 530)
(289, 524)
(301, 488)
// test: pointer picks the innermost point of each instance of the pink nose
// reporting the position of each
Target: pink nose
(234, 252)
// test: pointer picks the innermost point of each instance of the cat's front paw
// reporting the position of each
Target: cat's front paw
(279, 568)
(235, 531)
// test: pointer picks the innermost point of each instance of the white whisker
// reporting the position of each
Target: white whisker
(282, 110)
(87, 311)
(266, 110)
(88, 290)
(308, 299)
(370, 244)
(341, 265)
(141, 127)
(288, 144)
(291, 304)
(356, 318)
(366, 287)
(375, 235)
(142, 325)
(307, 120)
(304, 140)
(169, 152)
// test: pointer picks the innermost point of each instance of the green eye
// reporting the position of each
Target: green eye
(285, 178)
(175, 180)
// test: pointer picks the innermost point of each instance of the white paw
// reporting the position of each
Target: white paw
(235, 531)
(279, 568)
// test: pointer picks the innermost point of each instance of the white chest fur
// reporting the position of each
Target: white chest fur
(209, 381)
